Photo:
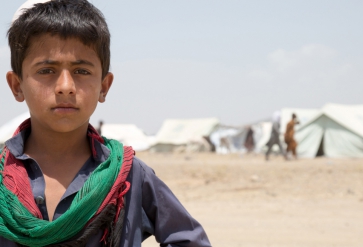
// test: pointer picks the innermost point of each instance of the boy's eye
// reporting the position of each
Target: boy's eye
(45, 71)
(82, 72)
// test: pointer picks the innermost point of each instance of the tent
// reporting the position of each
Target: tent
(128, 134)
(236, 137)
(7, 130)
(185, 135)
(228, 139)
(335, 131)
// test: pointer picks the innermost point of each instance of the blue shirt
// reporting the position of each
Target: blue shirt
(151, 208)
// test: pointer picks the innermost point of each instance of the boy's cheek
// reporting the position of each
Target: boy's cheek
(37, 93)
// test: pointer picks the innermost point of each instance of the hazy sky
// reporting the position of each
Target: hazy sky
(235, 60)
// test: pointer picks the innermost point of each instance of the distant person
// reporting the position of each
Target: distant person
(289, 136)
(249, 142)
(99, 129)
(275, 135)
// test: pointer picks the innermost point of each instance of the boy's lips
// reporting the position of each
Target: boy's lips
(65, 108)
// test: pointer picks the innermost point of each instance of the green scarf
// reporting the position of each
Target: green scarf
(19, 225)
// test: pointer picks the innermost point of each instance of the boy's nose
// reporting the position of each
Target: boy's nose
(65, 84)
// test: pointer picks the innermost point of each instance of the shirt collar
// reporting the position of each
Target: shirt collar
(16, 146)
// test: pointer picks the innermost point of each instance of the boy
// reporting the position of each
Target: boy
(61, 183)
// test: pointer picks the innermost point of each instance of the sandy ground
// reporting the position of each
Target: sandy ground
(246, 201)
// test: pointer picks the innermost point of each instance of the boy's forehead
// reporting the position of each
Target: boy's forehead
(46, 42)
(47, 45)
(27, 5)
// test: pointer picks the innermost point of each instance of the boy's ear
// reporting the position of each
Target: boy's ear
(14, 84)
(106, 84)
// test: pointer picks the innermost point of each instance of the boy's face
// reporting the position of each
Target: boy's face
(62, 83)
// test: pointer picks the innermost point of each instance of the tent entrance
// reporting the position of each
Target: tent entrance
(321, 148)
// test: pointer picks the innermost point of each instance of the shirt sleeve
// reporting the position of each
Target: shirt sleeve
(173, 225)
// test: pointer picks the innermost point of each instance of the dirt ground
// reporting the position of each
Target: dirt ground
(246, 201)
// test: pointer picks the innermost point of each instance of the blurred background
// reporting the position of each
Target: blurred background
(200, 87)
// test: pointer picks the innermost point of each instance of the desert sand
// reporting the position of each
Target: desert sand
(246, 201)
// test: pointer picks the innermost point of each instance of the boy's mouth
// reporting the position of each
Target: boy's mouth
(65, 108)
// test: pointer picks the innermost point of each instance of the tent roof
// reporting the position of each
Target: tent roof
(182, 131)
(349, 116)
(122, 131)
(128, 134)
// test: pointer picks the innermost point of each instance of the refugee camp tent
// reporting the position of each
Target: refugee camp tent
(228, 139)
(184, 135)
(236, 137)
(336, 131)
(7, 130)
(128, 134)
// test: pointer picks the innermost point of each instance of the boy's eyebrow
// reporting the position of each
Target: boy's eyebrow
(78, 62)
(52, 62)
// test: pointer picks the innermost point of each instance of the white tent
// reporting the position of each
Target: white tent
(336, 131)
(233, 139)
(228, 139)
(7, 130)
(184, 134)
(128, 134)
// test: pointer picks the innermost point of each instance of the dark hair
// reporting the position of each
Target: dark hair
(66, 19)
(293, 115)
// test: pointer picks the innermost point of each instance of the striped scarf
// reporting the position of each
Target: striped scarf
(98, 204)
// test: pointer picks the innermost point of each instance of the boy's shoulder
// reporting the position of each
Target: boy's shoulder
(141, 169)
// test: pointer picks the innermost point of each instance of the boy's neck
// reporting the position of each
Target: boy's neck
(54, 145)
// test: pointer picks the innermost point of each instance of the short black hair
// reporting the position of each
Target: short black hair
(293, 115)
(66, 19)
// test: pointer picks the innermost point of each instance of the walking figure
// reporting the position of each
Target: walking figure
(289, 136)
(275, 135)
